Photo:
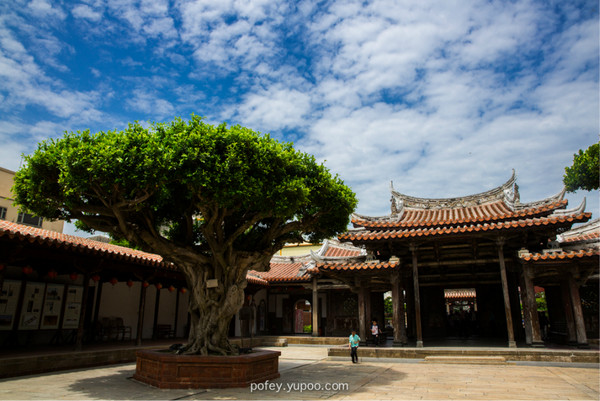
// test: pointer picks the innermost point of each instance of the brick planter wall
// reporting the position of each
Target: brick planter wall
(166, 370)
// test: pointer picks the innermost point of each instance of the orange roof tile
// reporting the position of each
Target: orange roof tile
(33, 234)
(333, 251)
(490, 212)
(501, 225)
(283, 272)
(358, 266)
(561, 255)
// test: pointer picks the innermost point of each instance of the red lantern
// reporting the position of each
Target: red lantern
(27, 270)
(113, 281)
(171, 288)
(129, 283)
(73, 276)
(2, 267)
(96, 278)
(145, 284)
(183, 290)
(158, 286)
(52, 274)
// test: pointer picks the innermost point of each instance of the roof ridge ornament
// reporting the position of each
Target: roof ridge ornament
(500, 193)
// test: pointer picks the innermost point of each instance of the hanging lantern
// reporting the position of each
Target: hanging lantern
(96, 278)
(171, 288)
(113, 281)
(52, 274)
(129, 283)
(73, 276)
(158, 286)
(183, 290)
(2, 266)
(145, 284)
(27, 269)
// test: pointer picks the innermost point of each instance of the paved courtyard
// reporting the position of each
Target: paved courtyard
(307, 373)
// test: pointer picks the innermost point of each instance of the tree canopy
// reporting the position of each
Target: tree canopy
(215, 200)
(585, 171)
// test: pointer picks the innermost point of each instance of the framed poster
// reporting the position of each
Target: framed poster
(52, 306)
(72, 307)
(9, 298)
(32, 306)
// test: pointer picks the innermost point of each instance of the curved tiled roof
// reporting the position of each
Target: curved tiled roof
(358, 266)
(284, 271)
(55, 239)
(490, 212)
(589, 232)
(446, 230)
(561, 255)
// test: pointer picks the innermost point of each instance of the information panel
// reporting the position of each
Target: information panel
(32, 306)
(9, 298)
(52, 306)
(72, 307)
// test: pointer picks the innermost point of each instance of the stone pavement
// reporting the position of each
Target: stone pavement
(307, 373)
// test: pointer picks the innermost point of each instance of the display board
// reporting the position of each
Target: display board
(9, 298)
(52, 306)
(72, 307)
(32, 306)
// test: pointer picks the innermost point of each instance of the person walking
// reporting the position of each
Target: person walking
(353, 341)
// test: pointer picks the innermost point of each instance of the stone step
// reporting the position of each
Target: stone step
(476, 360)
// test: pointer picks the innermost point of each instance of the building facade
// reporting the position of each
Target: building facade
(460, 268)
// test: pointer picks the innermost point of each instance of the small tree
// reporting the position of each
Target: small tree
(215, 200)
(585, 171)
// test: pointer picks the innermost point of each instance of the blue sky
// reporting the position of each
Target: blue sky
(442, 98)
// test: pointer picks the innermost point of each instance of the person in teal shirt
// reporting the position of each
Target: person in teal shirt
(353, 341)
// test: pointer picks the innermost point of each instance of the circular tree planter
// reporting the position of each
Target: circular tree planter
(165, 370)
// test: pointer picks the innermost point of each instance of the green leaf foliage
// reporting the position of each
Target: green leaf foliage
(189, 183)
(585, 171)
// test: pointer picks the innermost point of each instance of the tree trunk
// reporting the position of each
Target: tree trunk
(212, 307)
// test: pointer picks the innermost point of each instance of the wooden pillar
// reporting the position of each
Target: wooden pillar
(415, 271)
(400, 337)
(410, 310)
(80, 327)
(315, 308)
(364, 303)
(99, 286)
(536, 336)
(155, 323)
(566, 298)
(577, 312)
(509, 322)
(140, 322)
(526, 310)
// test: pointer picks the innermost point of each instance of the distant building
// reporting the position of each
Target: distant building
(9, 212)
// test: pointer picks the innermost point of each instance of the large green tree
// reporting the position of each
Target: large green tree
(585, 171)
(215, 200)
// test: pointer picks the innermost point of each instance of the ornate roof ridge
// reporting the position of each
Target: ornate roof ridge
(507, 192)
(335, 243)
(576, 210)
(586, 232)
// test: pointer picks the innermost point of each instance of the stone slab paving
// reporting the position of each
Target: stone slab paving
(307, 373)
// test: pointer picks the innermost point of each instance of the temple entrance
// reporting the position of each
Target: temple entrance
(461, 312)
(302, 317)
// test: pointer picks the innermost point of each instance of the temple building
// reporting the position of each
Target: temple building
(458, 268)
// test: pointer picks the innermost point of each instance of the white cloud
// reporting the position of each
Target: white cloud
(86, 12)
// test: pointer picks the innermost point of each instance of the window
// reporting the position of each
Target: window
(29, 219)
(2, 213)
